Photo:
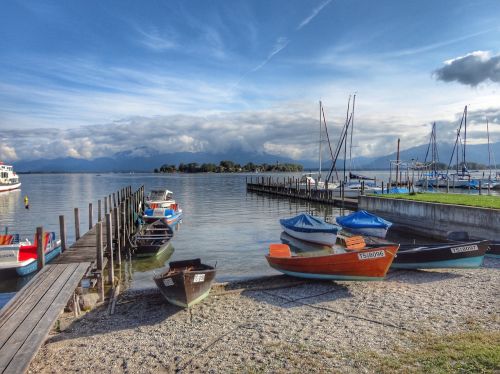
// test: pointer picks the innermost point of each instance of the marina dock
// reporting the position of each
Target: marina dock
(28, 317)
(290, 187)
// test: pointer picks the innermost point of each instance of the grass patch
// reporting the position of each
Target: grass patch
(483, 201)
(471, 352)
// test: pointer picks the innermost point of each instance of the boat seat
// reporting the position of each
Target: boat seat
(6, 239)
(355, 242)
(279, 250)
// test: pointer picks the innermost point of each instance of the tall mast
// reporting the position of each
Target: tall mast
(319, 170)
(464, 167)
(352, 129)
(346, 129)
(489, 150)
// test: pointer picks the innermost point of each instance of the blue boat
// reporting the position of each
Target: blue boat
(364, 223)
(311, 229)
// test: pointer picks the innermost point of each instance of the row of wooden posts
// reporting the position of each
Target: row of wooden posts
(117, 219)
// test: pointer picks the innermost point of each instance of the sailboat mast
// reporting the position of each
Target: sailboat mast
(464, 167)
(319, 170)
(489, 149)
(346, 129)
(352, 129)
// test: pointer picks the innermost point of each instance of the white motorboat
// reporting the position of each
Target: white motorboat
(9, 180)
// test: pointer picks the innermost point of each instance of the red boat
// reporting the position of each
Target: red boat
(354, 264)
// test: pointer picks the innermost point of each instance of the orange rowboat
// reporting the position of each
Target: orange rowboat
(357, 264)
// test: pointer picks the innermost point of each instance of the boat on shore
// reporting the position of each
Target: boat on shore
(20, 259)
(494, 250)
(9, 180)
(311, 229)
(161, 205)
(186, 282)
(152, 239)
(364, 223)
(355, 264)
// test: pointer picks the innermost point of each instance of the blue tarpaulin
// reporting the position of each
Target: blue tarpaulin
(307, 223)
(362, 219)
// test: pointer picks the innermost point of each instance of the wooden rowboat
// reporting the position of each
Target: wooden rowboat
(494, 250)
(186, 282)
(355, 264)
(152, 239)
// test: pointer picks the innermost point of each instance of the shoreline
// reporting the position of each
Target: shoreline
(279, 324)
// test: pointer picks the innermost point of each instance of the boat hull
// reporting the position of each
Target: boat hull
(171, 220)
(377, 232)
(324, 238)
(494, 250)
(186, 287)
(369, 264)
(457, 255)
(152, 239)
(25, 268)
(9, 187)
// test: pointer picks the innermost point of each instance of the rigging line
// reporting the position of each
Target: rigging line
(343, 136)
(328, 138)
(456, 142)
(352, 129)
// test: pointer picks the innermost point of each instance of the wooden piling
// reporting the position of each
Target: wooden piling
(105, 205)
(100, 261)
(117, 235)
(90, 216)
(62, 233)
(77, 224)
(109, 246)
(114, 200)
(40, 253)
(99, 215)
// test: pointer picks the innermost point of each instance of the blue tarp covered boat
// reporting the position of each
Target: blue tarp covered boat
(365, 223)
(311, 229)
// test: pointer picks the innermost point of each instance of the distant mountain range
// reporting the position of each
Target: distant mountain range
(143, 160)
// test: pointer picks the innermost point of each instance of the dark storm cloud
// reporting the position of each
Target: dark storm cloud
(471, 69)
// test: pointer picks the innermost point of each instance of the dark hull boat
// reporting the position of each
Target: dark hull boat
(494, 250)
(463, 255)
(186, 282)
(152, 239)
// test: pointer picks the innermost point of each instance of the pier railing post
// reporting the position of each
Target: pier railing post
(105, 205)
(99, 208)
(90, 216)
(116, 232)
(109, 245)
(122, 224)
(114, 200)
(62, 233)
(100, 261)
(77, 224)
(40, 255)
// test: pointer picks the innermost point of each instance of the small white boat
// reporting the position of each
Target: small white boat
(9, 180)
(20, 259)
(161, 205)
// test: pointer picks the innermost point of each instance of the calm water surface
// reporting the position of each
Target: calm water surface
(222, 223)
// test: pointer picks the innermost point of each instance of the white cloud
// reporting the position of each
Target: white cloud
(7, 153)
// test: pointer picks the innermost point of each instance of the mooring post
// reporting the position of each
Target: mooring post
(100, 261)
(62, 233)
(109, 245)
(105, 205)
(77, 224)
(40, 255)
(90, 216)
(122, 226)
(117, 236)
(114, 200)
(480, 190)
(99, 207)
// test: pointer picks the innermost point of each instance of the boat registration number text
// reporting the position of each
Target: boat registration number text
(467, 248)
(198, 278)
(371, 255)
(168, 282)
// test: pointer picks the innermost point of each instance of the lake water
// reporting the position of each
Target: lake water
(222, 223)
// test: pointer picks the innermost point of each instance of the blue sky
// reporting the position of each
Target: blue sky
(91, 78)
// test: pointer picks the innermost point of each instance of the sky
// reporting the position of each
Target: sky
(93, 78)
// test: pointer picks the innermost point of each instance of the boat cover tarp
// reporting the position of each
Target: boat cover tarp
(362, 219)
(395, 190)
(306, 223)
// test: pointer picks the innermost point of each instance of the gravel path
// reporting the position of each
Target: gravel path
(303, 326)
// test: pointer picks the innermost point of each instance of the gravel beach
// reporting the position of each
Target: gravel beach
(275, 324)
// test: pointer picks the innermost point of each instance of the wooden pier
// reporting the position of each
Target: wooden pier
(291, 188)
(28, 317)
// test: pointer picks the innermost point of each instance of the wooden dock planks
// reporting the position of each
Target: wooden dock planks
(26, 320)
